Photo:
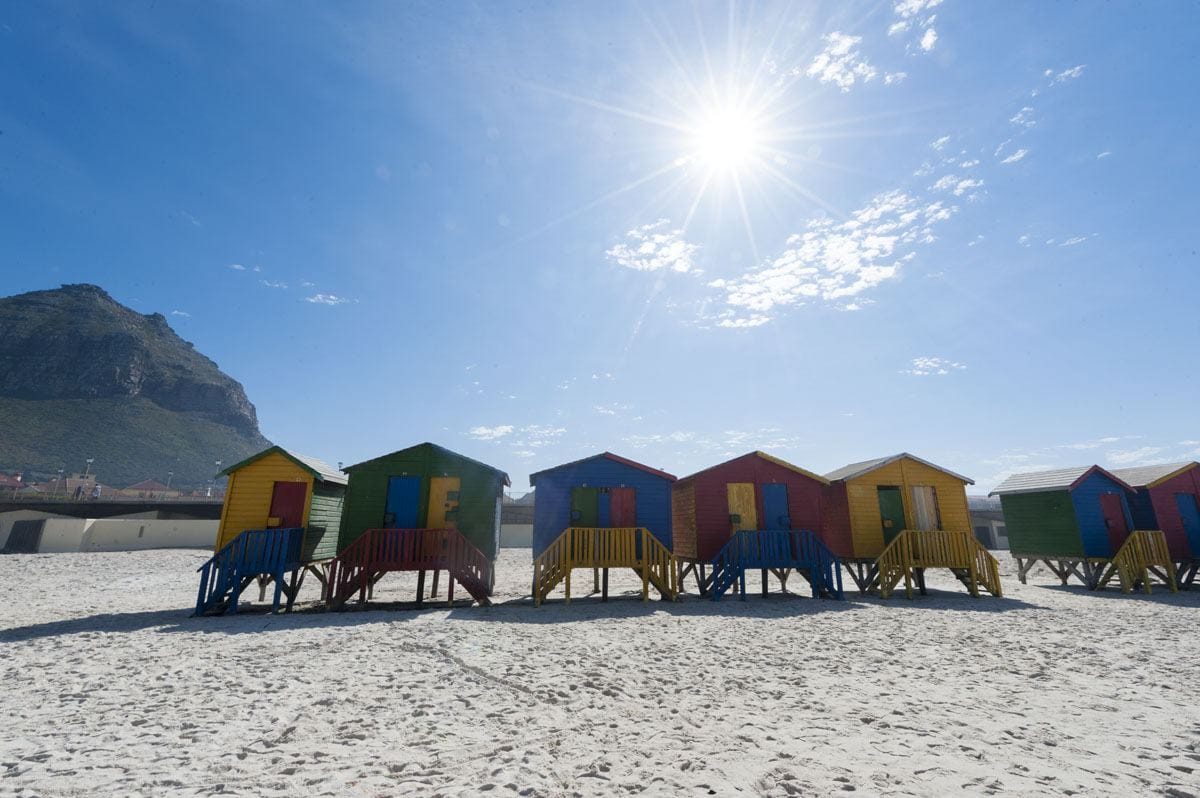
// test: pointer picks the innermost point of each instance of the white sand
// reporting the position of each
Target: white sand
(110, 688)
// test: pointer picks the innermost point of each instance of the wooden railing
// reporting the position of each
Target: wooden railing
(253, 553)
(378, 551)
(605, 547)
(1144, 554)
(798, 549)
(956, 550)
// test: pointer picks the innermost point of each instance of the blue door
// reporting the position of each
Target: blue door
(403, 503)
(1189, 512)
(775, 507)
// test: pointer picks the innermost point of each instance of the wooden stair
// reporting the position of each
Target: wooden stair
(1142, 557)
(779, 550)
(379, 551)
(913, 551)
(254, 554)
(605, 547)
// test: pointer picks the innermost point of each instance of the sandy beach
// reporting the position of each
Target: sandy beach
(111, 688)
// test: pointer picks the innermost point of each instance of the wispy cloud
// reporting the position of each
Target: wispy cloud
(273, 284)
(182, 313)
(929, 39)
(957, 185)
(237, 267)
(908, 12)
(1066, 74)
(894, 77)
(1103, 155)
(907, 9)
(490, 433)
(932, 367)
(1024, 117)
(326, 299)
(834, 261)
(192, 220)
(1016, 156)
(841, 63)
(938, 144)
(1073, 240)
(1129, 457)
(652, 247)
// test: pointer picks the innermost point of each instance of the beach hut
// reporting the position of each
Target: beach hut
(280, 516)
(754, 512)
(893, 517)
(422, 509)
(598, 513)
(1078, 521)
(1167, 498)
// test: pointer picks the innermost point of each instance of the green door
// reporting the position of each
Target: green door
(585, 507)
(891, 511)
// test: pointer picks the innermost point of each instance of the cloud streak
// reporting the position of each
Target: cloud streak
(654, 247)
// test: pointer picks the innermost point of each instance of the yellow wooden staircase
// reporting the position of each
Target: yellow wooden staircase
(1143, 555)
(605, 547)
(914, 550)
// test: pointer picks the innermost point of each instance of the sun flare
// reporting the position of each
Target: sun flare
(726, 139)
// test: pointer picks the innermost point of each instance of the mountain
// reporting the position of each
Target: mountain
(81, 376)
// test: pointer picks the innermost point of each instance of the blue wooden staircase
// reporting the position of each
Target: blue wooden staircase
(254, 554)
(779, 550)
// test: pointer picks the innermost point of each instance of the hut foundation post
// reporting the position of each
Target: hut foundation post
(567, 585)
(764, 582)
(703, 581)
(420, 587)
(596, 579)
(263, 581)
(433, 592)
(604, 588)
(742, 583)
(449, 589)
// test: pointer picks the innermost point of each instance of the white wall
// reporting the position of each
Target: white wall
(125, 534)
(114, 534)
(516, 536)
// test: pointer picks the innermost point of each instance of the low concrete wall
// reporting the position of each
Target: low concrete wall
(516, 536)
(124, 534)
(114, 534)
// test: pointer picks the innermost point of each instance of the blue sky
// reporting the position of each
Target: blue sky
(679, 232)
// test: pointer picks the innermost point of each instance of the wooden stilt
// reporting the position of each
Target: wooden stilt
(433, 593)
(595, 580)
(449, 590)
(764, 582)
(567, 585)
(703, 581)
(604, 588)
(420, 587)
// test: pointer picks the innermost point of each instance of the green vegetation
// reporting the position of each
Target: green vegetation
(131, 438)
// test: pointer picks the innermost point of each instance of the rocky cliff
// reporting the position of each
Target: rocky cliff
(80, 371)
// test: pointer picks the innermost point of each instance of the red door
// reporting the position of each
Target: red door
(1114, 519)
(623, 507)
(287, 504)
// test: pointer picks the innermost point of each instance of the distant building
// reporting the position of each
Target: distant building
(987, 521)
(149, 489)
(516, 522)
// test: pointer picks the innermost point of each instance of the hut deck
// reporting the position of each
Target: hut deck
(778, 551)
(380, 551)
(265, 555)
(913, 551)
(1143, 558)
(602, 548)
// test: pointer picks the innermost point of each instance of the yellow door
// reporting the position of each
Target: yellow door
(443, 503)
(742, 511)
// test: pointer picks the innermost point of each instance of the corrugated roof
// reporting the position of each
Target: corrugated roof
(1144, 476)
(769, 458)
(319, 468)
(1053, 479)
(614, 457)
(858, 469)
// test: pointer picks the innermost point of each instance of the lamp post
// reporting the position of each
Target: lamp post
(213, 479)
(59, 484)
(170, 474)
(88, 470)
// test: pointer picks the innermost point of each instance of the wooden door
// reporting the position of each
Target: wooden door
(1189, 514)
(1114, 519)
(403, 503)
(443, 503)
(775, 506)
(743, 514)
(891, 511)
(585, 507)
(926, 514)
(287, 505)
(623, 508)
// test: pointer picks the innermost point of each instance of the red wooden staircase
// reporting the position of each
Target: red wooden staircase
(379, 551)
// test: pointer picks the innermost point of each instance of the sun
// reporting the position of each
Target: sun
(726, 138)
